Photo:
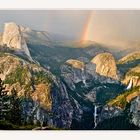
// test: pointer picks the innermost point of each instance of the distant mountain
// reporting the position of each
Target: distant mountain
(130, 57)
(76, 44)
(128, 47)
(36, 37)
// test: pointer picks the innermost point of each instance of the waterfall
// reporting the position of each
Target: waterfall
(76, 103)
(95, 116)
(83, 77)
(130, 84)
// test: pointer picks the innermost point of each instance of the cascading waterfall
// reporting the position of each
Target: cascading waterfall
(95, 116)
(83, 77)
(130, 84)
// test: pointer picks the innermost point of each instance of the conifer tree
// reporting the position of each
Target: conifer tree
(4, 102)
(15, 110)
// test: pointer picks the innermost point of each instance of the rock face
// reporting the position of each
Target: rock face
(135, 110)
(109, 112)
(123, 99)
(130, 57)
(44, 97)
(105, 65)
(35, 37)
(62, 109)
(24, 77)
(132, 77)
(76, 63)
(13, 38)
(75, 71)
(86, 87)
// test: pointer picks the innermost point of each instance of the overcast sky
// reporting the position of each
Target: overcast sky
(105, 26)
(63, 22)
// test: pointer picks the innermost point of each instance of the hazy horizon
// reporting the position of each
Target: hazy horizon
(104, 26)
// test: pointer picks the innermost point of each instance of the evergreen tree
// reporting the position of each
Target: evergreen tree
(27, 106)
(4, 101)
(15, 110)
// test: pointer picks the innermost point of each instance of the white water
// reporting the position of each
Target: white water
(95, 116)
(76, 103)
(83, 77)
(129, 85)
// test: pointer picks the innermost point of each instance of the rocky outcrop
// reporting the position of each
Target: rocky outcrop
(109, 112)
(13, 38)
(135, 111)
(74, 73)
(132, 77)
(42, 95)
(25, 77)
(76, 63)
(62, 109)
(35, 37)
(118, 106)
(8, 64)
(106, 65)
(130, 57)
(123, 99)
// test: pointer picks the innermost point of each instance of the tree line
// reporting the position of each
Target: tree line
(10, 109)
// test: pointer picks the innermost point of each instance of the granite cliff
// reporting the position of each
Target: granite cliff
(106, 65)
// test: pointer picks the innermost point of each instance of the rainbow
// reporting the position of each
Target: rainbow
(87, 28)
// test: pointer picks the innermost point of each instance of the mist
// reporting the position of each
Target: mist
(112, 27)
